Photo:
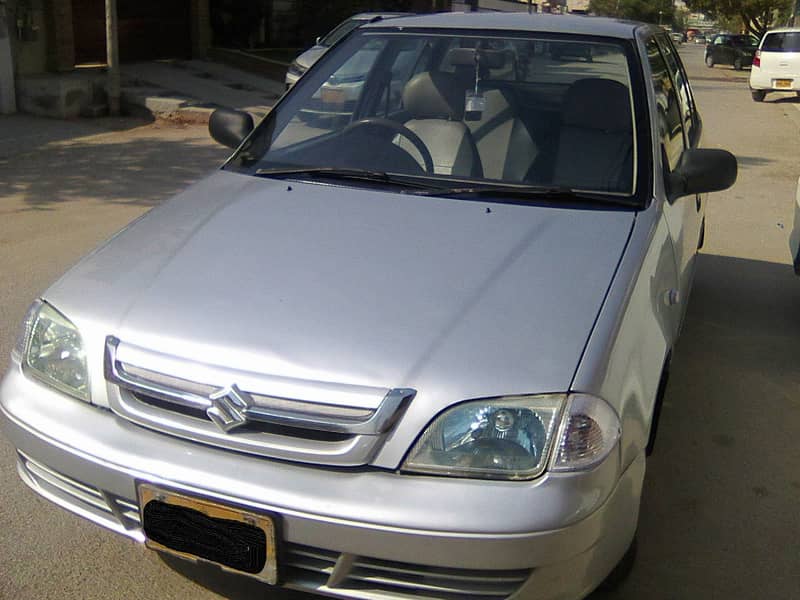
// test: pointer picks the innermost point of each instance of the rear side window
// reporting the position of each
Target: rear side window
(670, 121)
(682, 87)
(743, 40)
(782, 42)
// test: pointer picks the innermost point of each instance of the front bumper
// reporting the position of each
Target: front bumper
(356, 534)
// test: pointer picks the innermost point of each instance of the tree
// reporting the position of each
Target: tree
(650, 11)
(757, 15)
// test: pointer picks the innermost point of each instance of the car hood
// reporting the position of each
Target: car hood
(321, 283)
(310, 56)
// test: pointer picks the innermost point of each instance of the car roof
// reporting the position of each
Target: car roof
(537, 22)
(367, 16)
(784, 30)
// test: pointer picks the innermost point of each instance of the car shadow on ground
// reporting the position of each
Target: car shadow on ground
(795, 99)
(228, 585)
(752, 161)
(720, 494)
(719, 504)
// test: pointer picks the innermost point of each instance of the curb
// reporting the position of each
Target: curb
(177, 109)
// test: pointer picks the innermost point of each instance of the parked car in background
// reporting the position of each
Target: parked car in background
(302, 63)
(776, 65)
(699, 39)
(677, 37)
(417, 351)
(729, 49)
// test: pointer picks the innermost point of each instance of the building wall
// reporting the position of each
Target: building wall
(27, 21)
(297, 23)
(201, 28)
(61, 55)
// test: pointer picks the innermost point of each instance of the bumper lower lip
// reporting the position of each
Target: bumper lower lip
(593, 543)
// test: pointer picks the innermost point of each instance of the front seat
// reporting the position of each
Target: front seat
(436, 105)
(595, 144)
(505, 146)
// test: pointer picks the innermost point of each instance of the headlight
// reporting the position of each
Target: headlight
(51, 350)
(512, 437)
(296, 69)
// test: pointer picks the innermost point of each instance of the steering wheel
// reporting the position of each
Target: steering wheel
(398, 128)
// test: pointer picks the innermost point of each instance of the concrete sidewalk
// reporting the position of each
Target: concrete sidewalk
(191, 89)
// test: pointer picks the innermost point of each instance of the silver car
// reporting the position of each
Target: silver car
(417, 352)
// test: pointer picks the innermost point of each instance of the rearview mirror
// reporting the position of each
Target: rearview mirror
(230, 127)
(702, 170)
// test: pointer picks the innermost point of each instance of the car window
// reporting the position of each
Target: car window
(668, 106)
(743, 40)
(782, 42)
(681, 81)
(410, 58)
(719, 40)
(554, 111)
(332, 105)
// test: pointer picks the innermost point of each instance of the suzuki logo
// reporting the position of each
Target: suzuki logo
(229, 407)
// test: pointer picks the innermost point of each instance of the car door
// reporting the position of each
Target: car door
(712, 49)
(717, 50)
(726, 50)
(680, 128)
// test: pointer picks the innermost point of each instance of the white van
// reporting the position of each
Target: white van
(776, 65)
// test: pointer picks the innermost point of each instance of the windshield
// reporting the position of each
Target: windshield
(453, 109)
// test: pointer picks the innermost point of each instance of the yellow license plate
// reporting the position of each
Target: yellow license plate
(235, 539)
(783, 83)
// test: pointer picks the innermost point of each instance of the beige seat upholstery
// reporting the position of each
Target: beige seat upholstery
(436, 104)
(505, 146)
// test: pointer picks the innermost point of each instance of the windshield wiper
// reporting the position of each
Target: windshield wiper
(525, 192)
(345, 174)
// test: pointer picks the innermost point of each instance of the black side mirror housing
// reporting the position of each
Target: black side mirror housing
(702, 170)
(230, 127)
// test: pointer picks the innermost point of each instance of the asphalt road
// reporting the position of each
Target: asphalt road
(720, 514)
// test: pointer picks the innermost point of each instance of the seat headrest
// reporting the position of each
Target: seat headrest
(434, 95)
(598, 104)
(465, 57)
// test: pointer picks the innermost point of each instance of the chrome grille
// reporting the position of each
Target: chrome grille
(361, 576)
(206, 406)
(88, 501)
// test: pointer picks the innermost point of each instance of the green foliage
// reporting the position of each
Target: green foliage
(756, 15)
(635, 10)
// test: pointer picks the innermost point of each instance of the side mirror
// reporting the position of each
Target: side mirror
(702, 170)
(230, 127)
